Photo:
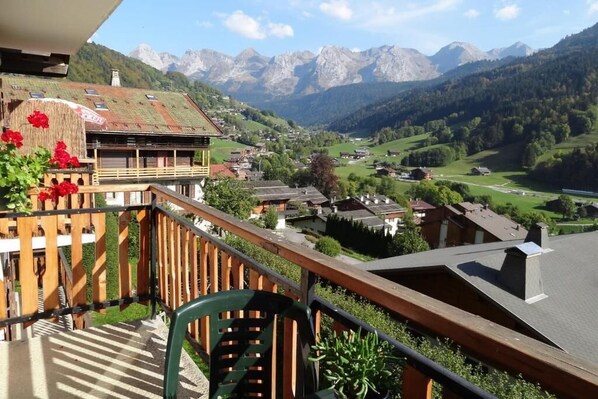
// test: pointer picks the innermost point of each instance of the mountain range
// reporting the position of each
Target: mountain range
(253, 77)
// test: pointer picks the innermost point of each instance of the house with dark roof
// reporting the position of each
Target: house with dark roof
(276, 194)
(393, 153)
(467, 223)
(480, 171)
(419, 209)
(132, 135)
(386, 171)
(591, 209)
(421, 173)
(380, 206)
(542, 287)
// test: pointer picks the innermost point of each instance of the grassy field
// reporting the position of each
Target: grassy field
(220, 149)
(508, 183)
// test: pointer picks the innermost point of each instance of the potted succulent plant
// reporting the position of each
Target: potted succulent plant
(357, 366)
(20, 172)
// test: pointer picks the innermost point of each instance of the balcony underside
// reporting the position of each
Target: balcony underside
(124, 360)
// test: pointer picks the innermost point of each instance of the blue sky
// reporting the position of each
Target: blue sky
(278, 26)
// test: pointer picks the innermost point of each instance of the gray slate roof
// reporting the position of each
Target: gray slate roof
(567, 316)
(497, 225)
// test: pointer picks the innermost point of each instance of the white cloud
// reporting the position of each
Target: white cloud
(510, 11)
(252, 28)
(243, 24)
(592, 6)
(472, 13)
(205, 24)
(337, 8)
(380, 17)
(280, 30)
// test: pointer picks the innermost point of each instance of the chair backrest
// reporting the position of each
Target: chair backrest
(241, 326)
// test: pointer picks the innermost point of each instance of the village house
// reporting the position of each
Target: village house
(361, 153)
(419, 209)
(386, 171)
(467, 223)
(480, 171)
(393, 153)
(421, 173)
(131, 135)
(380, 206)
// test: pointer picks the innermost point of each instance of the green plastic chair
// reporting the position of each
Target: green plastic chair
(238, 346)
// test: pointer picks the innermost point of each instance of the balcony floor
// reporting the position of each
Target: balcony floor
(123, 360)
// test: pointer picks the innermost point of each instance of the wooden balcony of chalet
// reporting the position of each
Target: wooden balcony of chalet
(179, 262)
(134, 173)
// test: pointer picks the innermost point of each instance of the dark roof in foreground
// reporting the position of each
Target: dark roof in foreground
(567, 316)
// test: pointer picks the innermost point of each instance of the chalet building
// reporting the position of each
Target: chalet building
(419, 209)
(380, 206)
(467, 223)
(386, 171)
(276, 194)
(539, 286)
(271, 194)
(591, 210)
(421, 174)
(480, 171)
(131, 135)
(345, 155)
(361, 153)
(393, 153)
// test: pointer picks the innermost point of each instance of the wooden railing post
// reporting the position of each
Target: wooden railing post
(415, 384)
(153, 253)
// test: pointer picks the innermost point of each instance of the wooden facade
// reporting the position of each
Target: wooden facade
(132, 135)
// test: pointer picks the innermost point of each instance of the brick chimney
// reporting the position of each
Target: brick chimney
(520, 272)
(115, 78)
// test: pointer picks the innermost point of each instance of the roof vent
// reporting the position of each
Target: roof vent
(520, 272)
(115, 78)
(538, 234)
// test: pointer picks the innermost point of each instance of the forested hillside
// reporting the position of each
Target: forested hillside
(540, 101)
(93, 63)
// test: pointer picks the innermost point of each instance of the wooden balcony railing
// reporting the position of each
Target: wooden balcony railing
(113, 174)
(178, 262)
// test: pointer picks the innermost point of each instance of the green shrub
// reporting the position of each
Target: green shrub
(328, 246)
(271, 219)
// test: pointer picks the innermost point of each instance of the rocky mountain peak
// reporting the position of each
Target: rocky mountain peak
(251, 74)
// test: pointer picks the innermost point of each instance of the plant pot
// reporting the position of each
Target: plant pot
(381, 395)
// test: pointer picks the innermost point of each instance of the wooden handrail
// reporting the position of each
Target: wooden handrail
(555, 370)
(167, 171)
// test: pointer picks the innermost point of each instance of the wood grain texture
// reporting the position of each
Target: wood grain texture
(98, 274)
(79, 275)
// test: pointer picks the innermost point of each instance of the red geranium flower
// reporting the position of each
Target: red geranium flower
(12, 137)
(62, 159)
(38, 119)
(58, 190)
